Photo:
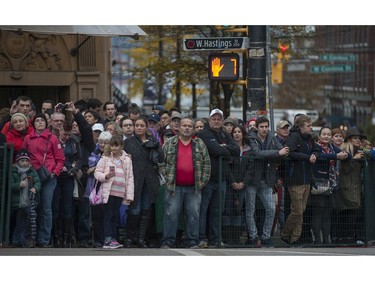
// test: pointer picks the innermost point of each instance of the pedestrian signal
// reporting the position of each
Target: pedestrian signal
(223, 66)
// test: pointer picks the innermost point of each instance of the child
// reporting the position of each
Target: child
(115, 172)
(25, 184)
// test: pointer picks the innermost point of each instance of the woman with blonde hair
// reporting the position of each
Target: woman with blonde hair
(350, 189)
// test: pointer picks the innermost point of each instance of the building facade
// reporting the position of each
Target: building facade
(43, 66)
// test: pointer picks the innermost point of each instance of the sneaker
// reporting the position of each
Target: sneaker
(267, 243)
(253, 242)
(202, 244)
(112, 244)
(216, 245)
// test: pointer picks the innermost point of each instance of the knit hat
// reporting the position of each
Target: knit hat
(251, 119)
(231, 120)
(19, 115)
(22, 154)
(40, 115)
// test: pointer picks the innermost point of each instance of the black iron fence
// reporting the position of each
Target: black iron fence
(344, 215)
(255, 215)
(6, 160)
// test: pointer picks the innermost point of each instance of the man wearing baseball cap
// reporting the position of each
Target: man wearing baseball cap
(219, 144)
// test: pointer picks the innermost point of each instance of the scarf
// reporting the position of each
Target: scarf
(24, 192)
(332, 171)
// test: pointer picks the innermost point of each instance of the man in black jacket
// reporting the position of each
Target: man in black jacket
(219, 144)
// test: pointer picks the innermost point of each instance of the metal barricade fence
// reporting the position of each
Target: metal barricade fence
(344, 215)
(6, 161)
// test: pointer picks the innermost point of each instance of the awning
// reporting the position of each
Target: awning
(91, 30)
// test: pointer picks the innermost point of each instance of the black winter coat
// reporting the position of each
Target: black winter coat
(219, 144)
(144, 168)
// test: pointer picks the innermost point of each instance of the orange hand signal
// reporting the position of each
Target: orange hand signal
(216, 67)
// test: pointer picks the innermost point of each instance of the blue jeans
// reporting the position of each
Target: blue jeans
(22, 224)
(264, 192)
(45, 211)
(184, 197)
(210, 206)
(63, 195)
(110, 217)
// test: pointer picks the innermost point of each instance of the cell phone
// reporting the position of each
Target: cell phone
(112, 168)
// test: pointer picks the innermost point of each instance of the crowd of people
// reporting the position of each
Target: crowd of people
(125, 179)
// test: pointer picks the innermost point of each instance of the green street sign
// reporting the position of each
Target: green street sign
(339, 68)
(338, 57)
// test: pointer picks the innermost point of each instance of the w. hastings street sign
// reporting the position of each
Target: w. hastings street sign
(215, 43)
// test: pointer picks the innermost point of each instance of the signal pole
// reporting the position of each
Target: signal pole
(256, 75)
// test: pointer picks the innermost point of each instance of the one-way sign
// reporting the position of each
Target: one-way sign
(216, 43)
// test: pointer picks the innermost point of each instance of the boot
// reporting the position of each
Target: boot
(131, 230)
(67, 234)
(121, 234)
(226, 234)
(236, 235)
(142, 228)
(56, 233)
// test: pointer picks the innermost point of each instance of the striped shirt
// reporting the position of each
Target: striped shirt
(118, 184)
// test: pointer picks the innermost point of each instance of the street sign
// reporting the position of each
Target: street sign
(339, 68)
(223, 66)
(338, 57)
(216, 43)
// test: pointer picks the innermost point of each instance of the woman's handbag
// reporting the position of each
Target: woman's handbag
(321, 186)
(96, 195)
(44, 174)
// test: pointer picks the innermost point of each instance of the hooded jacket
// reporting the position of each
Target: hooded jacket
(102, 169)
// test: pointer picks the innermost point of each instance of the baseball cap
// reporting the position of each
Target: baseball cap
(98, 127)
(176, 115)
(282, 124)
(216, 111)
(22, 154)
(154, 117)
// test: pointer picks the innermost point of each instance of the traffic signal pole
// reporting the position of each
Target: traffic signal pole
(256, 74)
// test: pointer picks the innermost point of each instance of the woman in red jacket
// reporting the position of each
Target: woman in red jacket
(19, 128)
(45, 148)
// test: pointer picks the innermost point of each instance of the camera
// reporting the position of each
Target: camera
(61, 106)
